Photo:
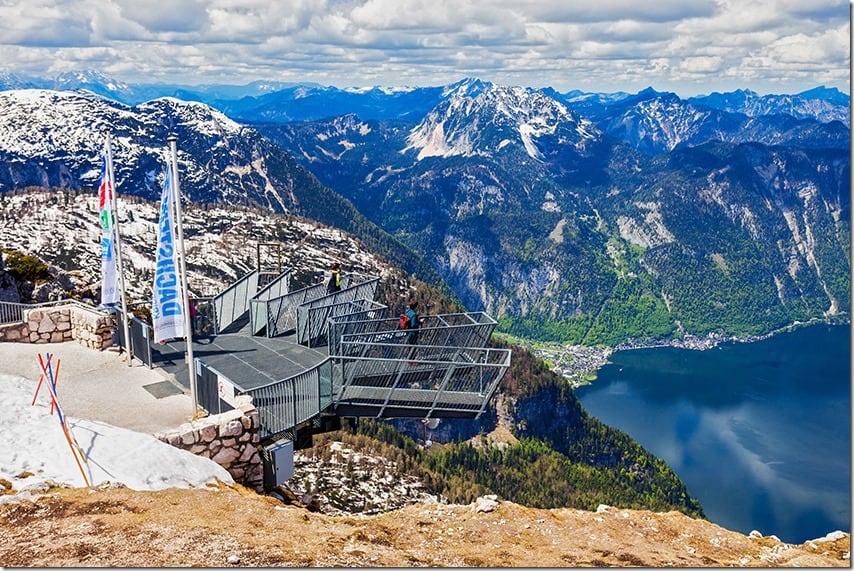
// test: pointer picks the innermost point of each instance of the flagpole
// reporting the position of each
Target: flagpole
(182, 268)
(115, 225)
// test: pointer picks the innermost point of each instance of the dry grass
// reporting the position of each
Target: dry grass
(232, 526)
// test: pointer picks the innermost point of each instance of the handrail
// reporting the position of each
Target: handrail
(313, 319)
(451, 330)
(13, 312)
(279, 315)
(465, 383)
(260, 303)
(278, 286)
(425, 385)
(233, 302)
(285, 404)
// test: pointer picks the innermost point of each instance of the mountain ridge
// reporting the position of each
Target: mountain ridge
(607, 220)
(559, 225)
(262, 94)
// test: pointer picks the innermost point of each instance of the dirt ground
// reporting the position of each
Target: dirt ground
(232, 527)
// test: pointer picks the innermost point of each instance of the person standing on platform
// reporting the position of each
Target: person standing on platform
(334, 283)
(414, 322)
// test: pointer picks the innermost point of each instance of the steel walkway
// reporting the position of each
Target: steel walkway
(267, 342)
(252, 361)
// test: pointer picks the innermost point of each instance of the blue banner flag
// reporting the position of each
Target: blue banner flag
(167, 312)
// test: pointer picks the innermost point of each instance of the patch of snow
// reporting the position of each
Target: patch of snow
(34, 450)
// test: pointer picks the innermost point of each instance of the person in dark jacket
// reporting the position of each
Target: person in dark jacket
(414, 322)
(334, 283)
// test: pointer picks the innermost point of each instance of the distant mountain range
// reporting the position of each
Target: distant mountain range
(287, 101)
(574, 216)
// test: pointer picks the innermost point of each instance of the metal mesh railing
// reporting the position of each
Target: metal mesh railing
(313, 319)
(260, 303)
(278, 286)
(211, 387)
(233, 303)
(434, 382)
(450, 330)
(285, 404)
(140, 340)
(281, 312)
(139, 345)
(312, 316)
(419, 381)
(336, 326)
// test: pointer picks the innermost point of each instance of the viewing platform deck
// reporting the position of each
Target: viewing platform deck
(307, 353)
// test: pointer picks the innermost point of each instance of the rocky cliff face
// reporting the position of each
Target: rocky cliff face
(560, 224)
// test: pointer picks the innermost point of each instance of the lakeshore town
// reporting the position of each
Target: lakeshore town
(579, 364)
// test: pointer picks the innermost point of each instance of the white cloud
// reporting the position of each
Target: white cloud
(802, 49)
(700, 64)
(181, 16)
(594, 44)
(43, 23)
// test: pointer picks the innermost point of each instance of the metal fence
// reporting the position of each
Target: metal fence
(336, 326)
(450, 330)
(439, 382)
(259, 305)
(214, 391)
(13, 312)
(140, 339)
(424, 382)
(233, 303)
(285, 404)
(313, 319)
(279, 315)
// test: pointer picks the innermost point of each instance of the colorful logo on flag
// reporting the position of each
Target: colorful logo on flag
(109, 267)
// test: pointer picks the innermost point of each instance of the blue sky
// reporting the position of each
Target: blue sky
(688, 46)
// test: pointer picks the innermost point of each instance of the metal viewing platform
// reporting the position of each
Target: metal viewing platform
(306, 354)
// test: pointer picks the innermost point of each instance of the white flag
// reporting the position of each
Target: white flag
(109, 269)
(167, 310)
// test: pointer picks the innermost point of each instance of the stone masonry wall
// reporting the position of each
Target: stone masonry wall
(62, 323)
(230, 439)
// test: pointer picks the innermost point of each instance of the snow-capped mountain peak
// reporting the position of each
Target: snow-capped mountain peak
(478, 118)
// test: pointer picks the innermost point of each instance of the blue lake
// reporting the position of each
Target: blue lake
(759, 432)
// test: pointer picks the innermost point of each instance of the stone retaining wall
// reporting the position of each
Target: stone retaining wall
(230, 439)
(62, 323)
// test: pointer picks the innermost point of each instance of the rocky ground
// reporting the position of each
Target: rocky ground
(231, 526)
